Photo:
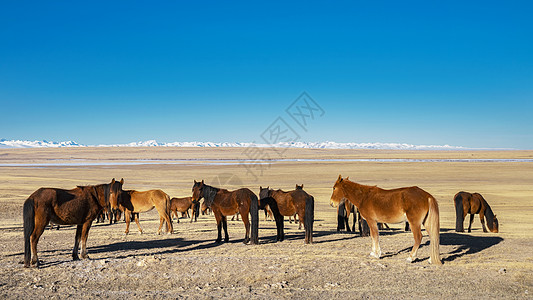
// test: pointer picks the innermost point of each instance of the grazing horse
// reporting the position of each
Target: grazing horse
(225, 203)
(79, 206)
(135, 202)
(393, 206)
(293, 202)
(467, 203)
(181, 205)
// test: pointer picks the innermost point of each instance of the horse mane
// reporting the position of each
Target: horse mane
(209, 194)
(98, 191)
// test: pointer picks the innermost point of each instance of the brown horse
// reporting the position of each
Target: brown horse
(79, 206)
(467, 203)
(137, 202)
(393, 206)
(294, 202)
(181, 205)
(226, 203)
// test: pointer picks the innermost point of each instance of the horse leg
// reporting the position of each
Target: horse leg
(470, 223)
(225, 227)
(161, 220)
(170, 228)
(127, 216)
(77, 242)
(40, 225)
(346, 221)
(246, 222)
(374, 233)
(482, 218)
(138, 223)
(84, 236)
(218, 218)
(417, 235)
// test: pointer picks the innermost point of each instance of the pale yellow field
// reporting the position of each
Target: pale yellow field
(189, 264)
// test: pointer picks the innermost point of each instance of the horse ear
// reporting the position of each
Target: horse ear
(347, 177)
(302, 185)
(195, 181)
(122, 181)
(202, 181)
(260, 187)
(112, 180)
(340, 178)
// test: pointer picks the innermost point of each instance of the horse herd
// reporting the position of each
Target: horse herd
(81, 205)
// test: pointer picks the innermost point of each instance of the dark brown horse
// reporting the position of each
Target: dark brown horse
(393, 206)
(181, 205)
(468, 203)
(294, 202)
(137, 202)
(344, 210)
(79, 206)
(226, 203)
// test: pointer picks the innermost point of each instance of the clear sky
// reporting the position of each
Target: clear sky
(418, 72)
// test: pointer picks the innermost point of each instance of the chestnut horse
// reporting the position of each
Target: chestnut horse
(468, 203)
(393, 206)
(137, 202)
(226, 203)
(294, 202)
(181, 205)
(79, 206)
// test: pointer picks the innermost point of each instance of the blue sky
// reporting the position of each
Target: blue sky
(419, 72)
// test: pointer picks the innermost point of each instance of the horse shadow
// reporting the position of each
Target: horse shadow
(163, 246)
(464, 245)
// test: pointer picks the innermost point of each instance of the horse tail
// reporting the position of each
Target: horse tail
(168, 206)
(28, 214)
(433, 228)
(254, 212)
(309, 219)
(459, 213)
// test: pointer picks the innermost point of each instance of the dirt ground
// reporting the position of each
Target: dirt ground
(188, 264)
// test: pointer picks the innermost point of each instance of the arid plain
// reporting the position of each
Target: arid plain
(188, 264)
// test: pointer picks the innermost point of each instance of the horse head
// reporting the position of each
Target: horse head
(495, 225)
(338, 192)
(198, 190)
(264, 192)
(114, 191)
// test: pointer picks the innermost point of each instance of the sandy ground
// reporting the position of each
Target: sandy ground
(188, 264)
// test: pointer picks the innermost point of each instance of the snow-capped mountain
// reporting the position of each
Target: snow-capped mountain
(309, 145)
(36, 144)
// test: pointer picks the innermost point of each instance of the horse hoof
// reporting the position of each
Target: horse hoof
(218, 241)
(374, 255)
(409, 260)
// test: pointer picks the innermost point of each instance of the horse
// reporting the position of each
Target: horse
(468, 203)
(78, 206)
(226, 203)
(344, 210)
(291, 202)
(271, 204)
(137, 202)
(393, 206)
(181, 205)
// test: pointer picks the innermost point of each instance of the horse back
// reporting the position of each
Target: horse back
(181, 204)
(66, 207)
(142, 201)
(393, 206)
